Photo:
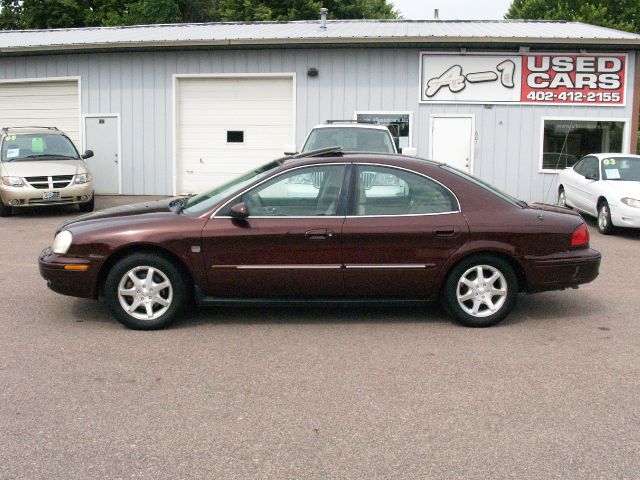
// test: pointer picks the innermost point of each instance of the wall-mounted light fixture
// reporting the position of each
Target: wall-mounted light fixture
(312, 72)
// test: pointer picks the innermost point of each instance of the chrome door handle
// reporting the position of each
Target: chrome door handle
(318, 234)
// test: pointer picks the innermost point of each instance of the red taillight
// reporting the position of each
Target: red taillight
(580, 237)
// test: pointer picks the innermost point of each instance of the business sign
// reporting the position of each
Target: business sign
(557, 79)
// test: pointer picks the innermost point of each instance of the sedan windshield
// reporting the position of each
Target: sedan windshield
(201, 203)
(351, 139)
(43, 146)
(625, 169)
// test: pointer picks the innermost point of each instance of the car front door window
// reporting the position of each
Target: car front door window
(303, 192)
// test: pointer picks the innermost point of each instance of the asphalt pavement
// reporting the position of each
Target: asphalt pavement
(318, 393)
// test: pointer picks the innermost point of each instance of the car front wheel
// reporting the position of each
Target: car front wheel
(481, 290)
(145, 291)
(604, 218)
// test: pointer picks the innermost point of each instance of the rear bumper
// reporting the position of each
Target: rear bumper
(562, 270)
(75, 283)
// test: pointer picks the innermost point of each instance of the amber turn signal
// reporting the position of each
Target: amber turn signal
(80, 268)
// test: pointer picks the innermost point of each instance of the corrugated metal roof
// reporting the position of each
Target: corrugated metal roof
(309, 32)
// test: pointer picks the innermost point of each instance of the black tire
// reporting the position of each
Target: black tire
(5, 211)
(604, 218)
(88, 206)
(562, 198)
(466, 268)
(164, 270)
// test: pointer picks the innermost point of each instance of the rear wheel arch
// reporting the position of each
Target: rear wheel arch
(512, 261)
(144, 248)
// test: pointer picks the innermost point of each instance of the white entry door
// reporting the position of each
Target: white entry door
(452, 141)
(101, 136)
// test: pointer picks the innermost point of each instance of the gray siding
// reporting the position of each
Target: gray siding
(139, 86)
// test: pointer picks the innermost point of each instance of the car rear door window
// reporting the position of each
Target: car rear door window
(309, 191)
(391, 191)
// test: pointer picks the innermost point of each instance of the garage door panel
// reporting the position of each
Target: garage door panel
(46, 103)
(207, 108)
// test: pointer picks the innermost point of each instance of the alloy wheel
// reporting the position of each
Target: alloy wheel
(481, 291)
(603, 217)
(145, 293)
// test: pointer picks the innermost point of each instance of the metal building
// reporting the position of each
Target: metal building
(172, 109)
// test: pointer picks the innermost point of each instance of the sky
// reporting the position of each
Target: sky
(453, 9)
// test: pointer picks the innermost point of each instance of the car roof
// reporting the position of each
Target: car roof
(336, 155)
(351, 125)
(30, 130)
(602, 156)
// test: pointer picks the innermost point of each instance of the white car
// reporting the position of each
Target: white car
(606, 186)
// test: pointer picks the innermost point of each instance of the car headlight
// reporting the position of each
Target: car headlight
(83, 178)
(12, 181)
(632, 202)
(62, 242)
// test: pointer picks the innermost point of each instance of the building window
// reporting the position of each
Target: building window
(567, 141)
(235, 136)
(399, 124)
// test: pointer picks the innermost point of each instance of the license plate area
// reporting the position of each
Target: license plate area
(51, 195)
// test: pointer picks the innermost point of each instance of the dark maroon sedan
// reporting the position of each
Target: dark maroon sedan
(327, 226)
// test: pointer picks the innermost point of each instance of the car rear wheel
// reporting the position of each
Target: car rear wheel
(88, 206)
(480, 291)
(562, 198)
(145, 291)
(604, 218)
(5, 211)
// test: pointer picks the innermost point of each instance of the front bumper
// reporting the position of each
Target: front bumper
(561, 270)
(28, 196)
(625, 216)
(75, 283)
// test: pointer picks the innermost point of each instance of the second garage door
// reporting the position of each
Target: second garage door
(229, 125)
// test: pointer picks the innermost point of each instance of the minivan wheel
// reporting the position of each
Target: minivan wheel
(480, 291)
(87, 206)
(604, 218)
(5, 211)
(145, 291)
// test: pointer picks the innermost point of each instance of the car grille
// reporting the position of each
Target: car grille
(45, 183)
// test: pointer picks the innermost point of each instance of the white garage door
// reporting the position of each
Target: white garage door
(42, 104)
(227, 126)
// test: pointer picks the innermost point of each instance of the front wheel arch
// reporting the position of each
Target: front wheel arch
(150, 249)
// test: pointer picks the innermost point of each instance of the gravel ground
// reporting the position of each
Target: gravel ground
(318, 393)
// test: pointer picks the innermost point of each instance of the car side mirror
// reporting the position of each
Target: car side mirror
(290, 150)
(412, 152)
(239, 210)
(591, 176)
(87, 154)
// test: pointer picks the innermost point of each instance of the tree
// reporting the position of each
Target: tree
(10, 14)
(618, 14)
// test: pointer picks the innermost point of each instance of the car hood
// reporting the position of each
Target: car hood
(39, 168)
(624, 188)
(135, 209)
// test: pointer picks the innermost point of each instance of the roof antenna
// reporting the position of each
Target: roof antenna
(323, 17)
(436, 14)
